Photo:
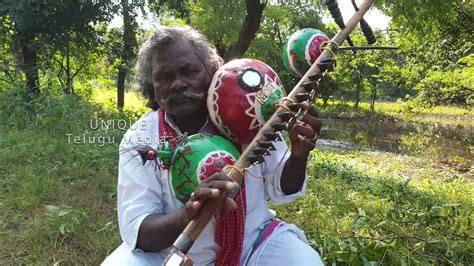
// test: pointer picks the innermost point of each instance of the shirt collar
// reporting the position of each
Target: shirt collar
(171, 123)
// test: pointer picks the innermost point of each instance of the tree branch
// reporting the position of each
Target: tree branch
(249, 29)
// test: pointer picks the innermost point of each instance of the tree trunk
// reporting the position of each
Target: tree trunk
(129, 43)
(121, 87)
(372, 101)
(278, 35)
(249, 29)
(357, 100)
(29, 61)
(357, 79)
(69, 81)
(325, 101)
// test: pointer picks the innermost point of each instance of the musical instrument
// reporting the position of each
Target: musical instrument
(281, 119)
(252, 88)
(302, 49)
(190, 160)
(196, 158)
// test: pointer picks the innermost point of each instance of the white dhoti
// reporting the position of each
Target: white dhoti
(286, 245)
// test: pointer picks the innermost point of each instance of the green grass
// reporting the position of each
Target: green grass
(58, 198)
(451, 115)
(368, 207)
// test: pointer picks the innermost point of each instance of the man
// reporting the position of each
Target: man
(174, 70)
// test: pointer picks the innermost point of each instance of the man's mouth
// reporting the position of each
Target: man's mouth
(183, 97)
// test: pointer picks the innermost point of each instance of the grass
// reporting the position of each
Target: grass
(362, 206)
(58, 197)
(450, 115)
(368, 207)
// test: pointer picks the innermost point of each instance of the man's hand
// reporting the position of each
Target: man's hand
(304, 133)
(158, 231)
(211, 188)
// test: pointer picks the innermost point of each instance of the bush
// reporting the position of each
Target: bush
(450, 86)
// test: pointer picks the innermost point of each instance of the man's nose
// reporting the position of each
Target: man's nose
(179, 84)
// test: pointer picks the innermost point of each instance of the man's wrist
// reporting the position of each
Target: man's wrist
(183, 216)
(293, 174)
(299, 159)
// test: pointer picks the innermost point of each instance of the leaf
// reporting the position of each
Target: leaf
(371, 263)
(353, 248)
(63, 212)
(418, 245)
(403, 262)
(57, 262)
(343, 255)
(62, 229)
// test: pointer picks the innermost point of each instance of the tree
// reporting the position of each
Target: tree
(279, 22)
(230, 25)
(327, 87)
(39, 25)
(129, 47)
(175, 8)
(450, 86)
(433, 36)
(358, 81)
(249, 29)
(19, 16)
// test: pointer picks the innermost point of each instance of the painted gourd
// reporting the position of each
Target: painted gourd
(198, 158)
(302, 49)
(242, 97)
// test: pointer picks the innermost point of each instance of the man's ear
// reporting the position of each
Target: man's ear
(212, 71)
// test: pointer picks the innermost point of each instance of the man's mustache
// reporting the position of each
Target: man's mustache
(185, 95)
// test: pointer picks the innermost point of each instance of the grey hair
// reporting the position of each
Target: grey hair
(165, 36)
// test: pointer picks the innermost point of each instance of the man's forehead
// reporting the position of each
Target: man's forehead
(175, 55)
(165, 65)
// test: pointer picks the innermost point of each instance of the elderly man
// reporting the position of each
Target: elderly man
(174, 70)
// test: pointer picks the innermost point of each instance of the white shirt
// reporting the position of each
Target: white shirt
(144, 189)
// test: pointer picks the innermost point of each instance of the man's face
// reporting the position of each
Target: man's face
(180, 79)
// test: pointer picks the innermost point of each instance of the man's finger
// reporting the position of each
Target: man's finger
(203, 193)
(223, 185)
(314, 122)
(309, 144)
(192, 206)
(230, 204)
(219, 176)
(310, 109)
(304, 131)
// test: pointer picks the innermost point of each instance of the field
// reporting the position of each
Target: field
(410, 201)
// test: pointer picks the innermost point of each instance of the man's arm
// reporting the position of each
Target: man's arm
(158, 231)
(293, 175)
(303, 139)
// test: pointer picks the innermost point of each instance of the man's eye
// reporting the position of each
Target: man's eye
(162, 78)
(193, 71)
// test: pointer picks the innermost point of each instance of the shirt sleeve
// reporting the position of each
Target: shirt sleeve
(138, 190)
(272, 169)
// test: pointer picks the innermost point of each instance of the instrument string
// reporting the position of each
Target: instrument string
(241, 191)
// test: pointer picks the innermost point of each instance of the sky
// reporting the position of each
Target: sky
(374, 17)
(145, 23)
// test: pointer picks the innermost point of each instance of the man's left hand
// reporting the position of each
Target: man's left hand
(304, 133)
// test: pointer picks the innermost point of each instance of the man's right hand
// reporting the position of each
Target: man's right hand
(211, 188)
(159, 231)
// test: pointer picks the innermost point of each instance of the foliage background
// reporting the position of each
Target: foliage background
(400, 194)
